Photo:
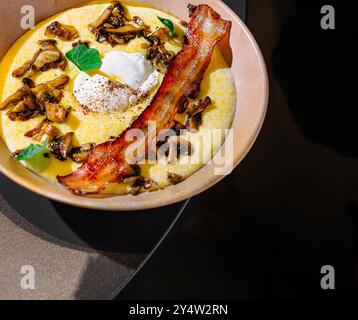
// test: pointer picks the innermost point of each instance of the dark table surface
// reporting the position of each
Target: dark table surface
(291, 207)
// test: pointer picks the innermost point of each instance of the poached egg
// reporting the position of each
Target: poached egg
(122, 80)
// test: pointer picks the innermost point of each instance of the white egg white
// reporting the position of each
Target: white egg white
(125, 78)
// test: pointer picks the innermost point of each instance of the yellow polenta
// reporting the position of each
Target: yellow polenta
(218, 83)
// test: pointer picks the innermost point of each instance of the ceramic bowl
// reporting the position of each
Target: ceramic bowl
(241, 52)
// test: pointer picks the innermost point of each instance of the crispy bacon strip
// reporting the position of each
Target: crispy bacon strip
(106, 164)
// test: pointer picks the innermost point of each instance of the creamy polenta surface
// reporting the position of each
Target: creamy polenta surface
(97, 128)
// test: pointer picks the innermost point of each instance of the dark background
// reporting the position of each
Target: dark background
(292, 205)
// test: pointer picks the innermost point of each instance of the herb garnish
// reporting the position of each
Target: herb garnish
(85, 58)
(169, 24)
(31, 151)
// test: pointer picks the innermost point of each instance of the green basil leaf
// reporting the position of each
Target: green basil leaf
(31, 151)
(169, 24)
(85, 58)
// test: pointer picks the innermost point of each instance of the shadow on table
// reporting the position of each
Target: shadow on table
(125, 232)
(124, 238)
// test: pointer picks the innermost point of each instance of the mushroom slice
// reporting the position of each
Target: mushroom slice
(156, 52)
(47, 44)
(66, 144)
(194, 113)
(184, 147)
(42, 95)
(162, 34)
(151, 39)
(48, 57)
(160, 57)
(199, 107)
(192, 9)
(136, 186)
(64, 32)
(132, 179)
(61, 147)
(112, 26)
(138, 21)
(45, 130)
(174, 148)
(127, 29)
(183, 105)
(80, 154)
(114, 21)
(50, 92)
(81, 42)
(25, 105)
(150, 185)
(174, 178)
(118, 36)
(28, 103)
(57, 94)
(59, 83)
(56, 112)
(15, 98)
(140, 184)
(27, 65)
(52, 86)
(103, 17)
(28, 82)
(23, 115)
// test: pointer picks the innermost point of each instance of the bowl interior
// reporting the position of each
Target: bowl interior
(249, 69)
